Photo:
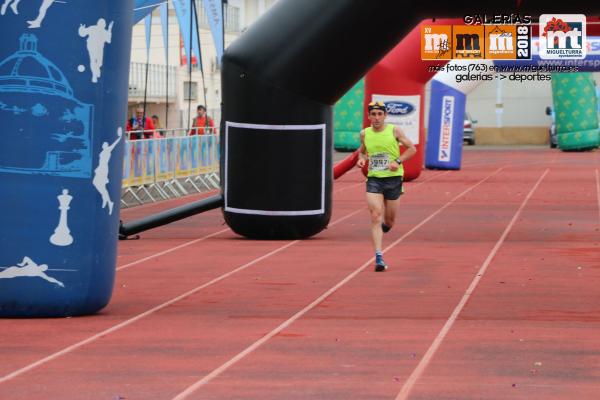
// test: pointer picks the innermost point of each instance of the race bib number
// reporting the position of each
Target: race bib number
(379, 162)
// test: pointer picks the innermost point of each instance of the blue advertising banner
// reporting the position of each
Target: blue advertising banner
(204, 153)
(127, 158)
(194, 152)
(148, 31)
(214, 13)
(164, 22)
(137, 175)
(444, 136)
(183, 9)
(184, 154)
(150, 161)
(166, 159)
(144, 7)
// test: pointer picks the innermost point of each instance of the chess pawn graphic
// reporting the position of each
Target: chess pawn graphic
(62, 234)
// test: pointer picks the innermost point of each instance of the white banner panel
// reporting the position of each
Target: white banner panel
(403, 111)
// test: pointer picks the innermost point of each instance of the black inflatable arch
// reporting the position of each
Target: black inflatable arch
(280, 81)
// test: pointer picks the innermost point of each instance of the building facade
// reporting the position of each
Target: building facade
(172, 92)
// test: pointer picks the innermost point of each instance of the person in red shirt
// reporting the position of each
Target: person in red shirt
(139, 123)
(201, 122)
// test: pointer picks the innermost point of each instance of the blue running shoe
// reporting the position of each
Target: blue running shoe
(380, 265)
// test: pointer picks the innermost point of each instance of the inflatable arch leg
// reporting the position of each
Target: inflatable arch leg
(576, 110)
(348, 118)
(63, 99)
(446, 116)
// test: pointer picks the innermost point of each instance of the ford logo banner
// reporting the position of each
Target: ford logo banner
(399, 108)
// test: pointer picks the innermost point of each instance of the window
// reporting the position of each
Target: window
(231, 17)
(202, 17)
(186, 90)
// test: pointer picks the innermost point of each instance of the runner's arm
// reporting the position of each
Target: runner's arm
(401, 137)
(362, 150)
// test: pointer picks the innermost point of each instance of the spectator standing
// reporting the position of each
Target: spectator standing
(201, 122)
(158, 126)
(140, 126)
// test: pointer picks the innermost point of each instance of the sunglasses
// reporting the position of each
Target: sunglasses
(377, 105)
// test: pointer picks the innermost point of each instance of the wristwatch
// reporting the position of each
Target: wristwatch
(398, 161)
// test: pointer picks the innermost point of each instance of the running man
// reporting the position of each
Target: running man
(28, 268)
(36, 23)
(101, 172)
(14, 4)
(380, 147)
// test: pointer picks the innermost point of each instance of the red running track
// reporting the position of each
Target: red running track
(492, 294)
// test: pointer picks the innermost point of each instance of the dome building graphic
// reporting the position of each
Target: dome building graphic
(45, 129)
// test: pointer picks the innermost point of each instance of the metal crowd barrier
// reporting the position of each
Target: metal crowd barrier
(169, 133)
(169, 167)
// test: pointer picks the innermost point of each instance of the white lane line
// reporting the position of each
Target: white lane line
(172, 249)
(598, 193)
(191, 242)
(232, 361)
(418, 371)
(130, 321)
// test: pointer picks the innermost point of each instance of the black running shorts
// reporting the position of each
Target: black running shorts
(391, 188)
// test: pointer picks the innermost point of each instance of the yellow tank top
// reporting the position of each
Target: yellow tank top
(382, 149)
